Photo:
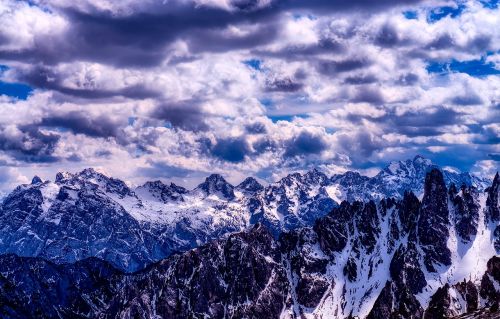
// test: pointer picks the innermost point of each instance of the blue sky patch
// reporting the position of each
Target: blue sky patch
(17, 90)
(255, 64)
(288, 118)
(411, 15)
(490, 4)
(439, 13)
(476, 68)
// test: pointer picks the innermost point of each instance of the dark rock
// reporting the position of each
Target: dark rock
(492, 202)
(405, 268)
(36, 180)
(466, 211)
(333, 229)
(216, 184)
(433, 222)
(439, 306)
(251, 185)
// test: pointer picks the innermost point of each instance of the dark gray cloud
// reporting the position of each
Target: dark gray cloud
(408, 79)
(216, 40)
(368, 94)
(361, 145)
(424, 123)
(44, 77)
(304, 52)
(231, 149)
(469, 99)
(80, 122)
(495, 157)
(283, 85)
(142, 39)
(305, 143)
(487, 135)
(361, 79)
(159, 169)
(326, 6)
(185, 115)
(333, 68)
(264, 144)
(387, 36)
(443, 41)
(32, 145)
(256, 128)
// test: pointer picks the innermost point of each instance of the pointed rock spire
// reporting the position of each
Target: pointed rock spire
(251, 185)
(214, 184)
(36, 180)
(492, 201)
(433, 222)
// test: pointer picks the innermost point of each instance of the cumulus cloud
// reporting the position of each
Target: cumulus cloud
(28, 143)
(183, 88)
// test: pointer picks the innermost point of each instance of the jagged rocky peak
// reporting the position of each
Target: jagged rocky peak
(315, 176)
(349, 177)
(419, 164)
(215, 184)
(492, 201)
(434, 184)
(419, 159)
(62, 177)
(36, 180)
(250, 185)
(434, 221)
(465, 203)
(95, 177)
(493, 209)
(162, 191)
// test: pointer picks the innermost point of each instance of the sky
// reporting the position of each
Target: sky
(179, 89)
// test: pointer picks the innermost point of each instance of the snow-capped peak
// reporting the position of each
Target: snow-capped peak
(215, 184)
(161, 191)
(36, 180)
(250, 184)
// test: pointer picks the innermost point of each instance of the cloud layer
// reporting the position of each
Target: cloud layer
(179, 89)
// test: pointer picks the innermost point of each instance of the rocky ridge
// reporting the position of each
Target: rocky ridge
(89, 214)
(405, 258)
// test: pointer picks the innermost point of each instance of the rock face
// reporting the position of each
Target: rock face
(36, 288)
(386, 259)
(433, 223)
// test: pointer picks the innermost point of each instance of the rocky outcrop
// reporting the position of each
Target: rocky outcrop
(433, 222)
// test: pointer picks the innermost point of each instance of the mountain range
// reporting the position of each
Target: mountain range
(89, 214)
(406, 257)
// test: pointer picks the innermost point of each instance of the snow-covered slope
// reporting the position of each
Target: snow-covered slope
(89, 214)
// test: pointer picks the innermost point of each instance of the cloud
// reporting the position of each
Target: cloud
(231, 149)
(283, 85)
(331, 68)
(28, 143)
(362, 144)
(184, 114)
(10, 177)
(251, 87)
(44, 77)
(305, 143)
(81, 123)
